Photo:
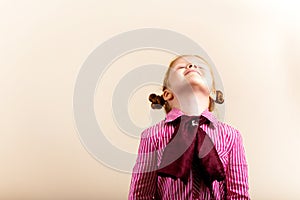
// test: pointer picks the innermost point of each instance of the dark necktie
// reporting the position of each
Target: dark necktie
(188, 146)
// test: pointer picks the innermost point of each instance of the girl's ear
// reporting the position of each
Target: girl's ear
(167, 95)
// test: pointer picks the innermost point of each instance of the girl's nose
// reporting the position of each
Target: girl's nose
(190, 65)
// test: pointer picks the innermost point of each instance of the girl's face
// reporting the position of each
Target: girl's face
(190, 72)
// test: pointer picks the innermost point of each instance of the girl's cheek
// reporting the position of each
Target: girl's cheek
(175, 77)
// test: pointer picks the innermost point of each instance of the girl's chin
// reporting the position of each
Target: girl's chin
(199, 85)
(192, 87)
(197, 82)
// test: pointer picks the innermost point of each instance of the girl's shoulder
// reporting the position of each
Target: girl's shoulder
(226, 126)
(227, 130)
(154, 131)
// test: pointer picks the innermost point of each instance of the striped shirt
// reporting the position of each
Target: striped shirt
(146, 184)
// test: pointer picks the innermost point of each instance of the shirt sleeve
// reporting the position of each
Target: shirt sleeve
(144, 176)
(237, 171)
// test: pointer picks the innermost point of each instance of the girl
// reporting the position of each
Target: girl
(189, 154)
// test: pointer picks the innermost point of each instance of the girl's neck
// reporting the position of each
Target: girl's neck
(192, 103)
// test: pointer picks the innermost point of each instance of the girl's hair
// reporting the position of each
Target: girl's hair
(157, 101)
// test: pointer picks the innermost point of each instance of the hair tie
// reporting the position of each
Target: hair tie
(219, 97)
(157, 102)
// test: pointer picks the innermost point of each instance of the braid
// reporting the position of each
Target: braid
(157, 102)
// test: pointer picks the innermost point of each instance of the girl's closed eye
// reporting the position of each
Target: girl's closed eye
(199, 67)
(180, 67)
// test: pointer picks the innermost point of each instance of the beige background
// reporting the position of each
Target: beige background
(254, 45)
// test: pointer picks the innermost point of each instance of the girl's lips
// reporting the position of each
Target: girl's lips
(191, 70)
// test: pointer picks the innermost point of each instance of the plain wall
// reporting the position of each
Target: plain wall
(255, 48)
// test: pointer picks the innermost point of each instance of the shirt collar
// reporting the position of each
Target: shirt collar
(175, 113)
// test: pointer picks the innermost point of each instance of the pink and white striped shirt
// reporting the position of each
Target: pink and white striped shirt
(146, 184)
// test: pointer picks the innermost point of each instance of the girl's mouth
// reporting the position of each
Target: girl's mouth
(189, 71)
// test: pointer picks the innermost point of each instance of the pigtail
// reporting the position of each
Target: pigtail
(157, 102)
(219, 97)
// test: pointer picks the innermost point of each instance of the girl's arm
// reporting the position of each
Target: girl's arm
(144, 177)
(237, 171)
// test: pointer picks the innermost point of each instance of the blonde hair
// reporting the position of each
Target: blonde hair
(158, 101)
